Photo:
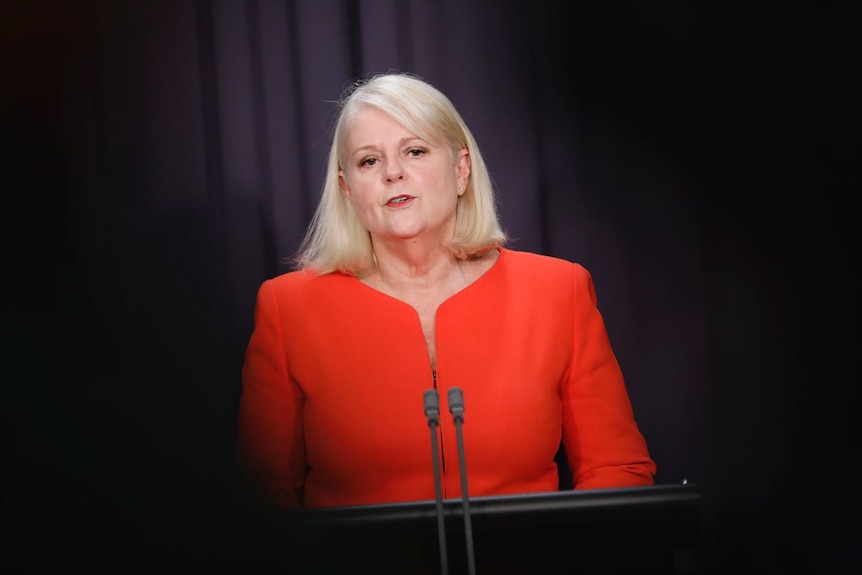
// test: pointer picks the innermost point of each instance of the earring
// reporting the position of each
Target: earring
(460, 189)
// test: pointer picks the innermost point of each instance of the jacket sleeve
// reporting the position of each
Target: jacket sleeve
(601, 438)
(270, 437)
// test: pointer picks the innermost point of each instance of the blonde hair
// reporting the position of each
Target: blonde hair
(336, 240)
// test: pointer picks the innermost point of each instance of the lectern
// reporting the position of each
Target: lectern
(631, 530)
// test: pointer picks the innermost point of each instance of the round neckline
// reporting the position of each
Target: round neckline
(490, 271)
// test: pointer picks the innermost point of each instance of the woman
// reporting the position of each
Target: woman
(404, 284)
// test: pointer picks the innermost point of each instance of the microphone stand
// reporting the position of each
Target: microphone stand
(432, 412)
(456, 407)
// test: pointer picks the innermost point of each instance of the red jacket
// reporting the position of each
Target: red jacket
(331, 412)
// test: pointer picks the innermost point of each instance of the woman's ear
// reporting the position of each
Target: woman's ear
(463, 170)
(342, 182)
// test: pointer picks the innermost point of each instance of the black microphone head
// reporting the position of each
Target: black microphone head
(456, 401)
(432, 404)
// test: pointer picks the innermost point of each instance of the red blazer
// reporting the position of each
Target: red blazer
(331, 412)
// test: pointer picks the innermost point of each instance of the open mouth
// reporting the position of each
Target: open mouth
(399, 200)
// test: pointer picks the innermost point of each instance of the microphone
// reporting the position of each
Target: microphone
(432, 412)
(456, 407)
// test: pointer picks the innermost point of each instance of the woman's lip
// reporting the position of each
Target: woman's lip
(407, 200)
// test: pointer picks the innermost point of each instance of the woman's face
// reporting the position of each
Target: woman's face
(401, 186)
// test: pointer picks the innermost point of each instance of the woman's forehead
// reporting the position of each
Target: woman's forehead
(373, 124)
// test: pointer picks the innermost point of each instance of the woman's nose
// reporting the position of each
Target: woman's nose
(393, 170)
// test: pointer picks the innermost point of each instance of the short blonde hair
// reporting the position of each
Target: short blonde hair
(336, 240)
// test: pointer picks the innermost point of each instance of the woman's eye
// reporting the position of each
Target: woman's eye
(415, 152)
(368, 162)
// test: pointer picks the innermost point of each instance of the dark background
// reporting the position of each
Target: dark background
(159, 158)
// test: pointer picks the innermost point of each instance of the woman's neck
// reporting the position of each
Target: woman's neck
(417, 270)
